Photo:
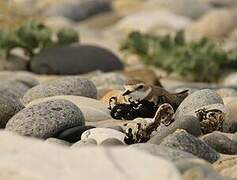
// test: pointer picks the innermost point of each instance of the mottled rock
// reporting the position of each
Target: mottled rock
(46, 119)
(78, 59)
(101, 134)
(227, 167)
(92, 109)
(162, 151)
(189, 123)
(197, 100)
(74, 85)
(112, 142)
(57, 141)
(9, 106)
(220, 143)
(197, 169)
(27, 159)
(73, 134)
(184, 141)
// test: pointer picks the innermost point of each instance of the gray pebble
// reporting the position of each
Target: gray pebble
(111, 142)
(46, 119)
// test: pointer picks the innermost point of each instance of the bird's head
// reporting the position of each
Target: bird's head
(135, 89)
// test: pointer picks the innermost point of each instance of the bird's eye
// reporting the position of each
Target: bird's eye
(140, 86)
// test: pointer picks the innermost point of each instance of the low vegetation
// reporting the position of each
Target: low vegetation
(201, 60)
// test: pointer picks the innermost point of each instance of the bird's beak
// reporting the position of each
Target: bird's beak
(126, 92)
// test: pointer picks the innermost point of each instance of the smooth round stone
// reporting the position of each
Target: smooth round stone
(184, 141)
(74, 85)
(162, 151)
(84, 143)
(46, 119)
(40, 160)
(189, 123)
(197, 100)
(111, 142)
(57, 141)
(16, 88)
(231, 80)
(27, 78)
(73, 134)
(92, 109)
(101, 134)
(226, 92)
(72, 60)
(9, 106)
(197, 169)
(220, 143)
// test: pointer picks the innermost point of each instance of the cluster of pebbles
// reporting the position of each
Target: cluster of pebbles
(66, 118)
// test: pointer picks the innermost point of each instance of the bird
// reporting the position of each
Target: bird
(137, 90)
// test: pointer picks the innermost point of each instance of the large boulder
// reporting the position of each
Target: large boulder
(78, 59)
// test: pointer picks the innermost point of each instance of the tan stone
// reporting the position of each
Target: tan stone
(30, 159)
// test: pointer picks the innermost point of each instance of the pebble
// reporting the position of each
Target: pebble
(184, 141)
(9, 106)
(58, 142)
(46, 119)
(74, 85)
(220, 143)
(101, 134)
(84, 143)
(188, 123)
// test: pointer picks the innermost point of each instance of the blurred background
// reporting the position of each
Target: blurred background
(180, 40)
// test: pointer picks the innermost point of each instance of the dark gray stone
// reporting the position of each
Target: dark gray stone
(184, 141)
(165, 152)
(80, 10)
(229, 126)
(188, 123)
(14, 63)
(197, 100)
(46, 119)
(220, 143)
(111, 142)
(73, 134)
(72, 60)
(74, 85)
(9, 106)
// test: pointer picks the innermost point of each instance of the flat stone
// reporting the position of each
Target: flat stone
(26, 159)
(74, 85)
(184, 141)
(72, 60)
(85, 143)
(58, 142)
(111, 142)
(46, 119)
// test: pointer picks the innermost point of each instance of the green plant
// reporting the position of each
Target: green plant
(33, 37)
(201, 60)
